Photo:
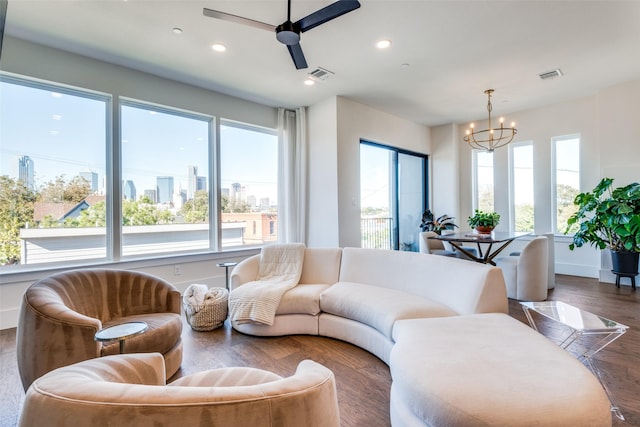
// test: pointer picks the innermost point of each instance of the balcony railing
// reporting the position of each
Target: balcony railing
(376, 233)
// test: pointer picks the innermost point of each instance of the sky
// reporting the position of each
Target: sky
(65, 135)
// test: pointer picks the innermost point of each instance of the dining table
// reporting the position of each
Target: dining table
(489, 245)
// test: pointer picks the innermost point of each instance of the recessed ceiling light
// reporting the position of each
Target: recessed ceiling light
(177, 30)
(56, 117)
(218, 47)
(309, 82)
(383, 44)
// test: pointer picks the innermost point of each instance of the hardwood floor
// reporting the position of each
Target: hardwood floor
(363, 380)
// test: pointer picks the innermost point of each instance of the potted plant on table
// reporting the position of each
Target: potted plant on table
(431, 223)
(484, 222)
(609, 217)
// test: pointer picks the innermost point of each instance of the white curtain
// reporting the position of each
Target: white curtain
(292, 175)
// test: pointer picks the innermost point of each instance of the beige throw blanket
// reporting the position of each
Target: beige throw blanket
(280, 270)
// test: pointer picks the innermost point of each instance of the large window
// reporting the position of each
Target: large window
(483, 182)
(53, 145)
(71, 192)
(165, 176)
(566, 185)
(392, 196)
(522, 195)
(249, 184)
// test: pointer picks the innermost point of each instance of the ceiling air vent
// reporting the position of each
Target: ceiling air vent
(320, 74)
(551, 74)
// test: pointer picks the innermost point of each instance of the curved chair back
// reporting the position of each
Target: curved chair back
(130, 388)
(432, 246)
(526, 275)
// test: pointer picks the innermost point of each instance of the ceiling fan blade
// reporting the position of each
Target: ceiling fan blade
(298, 57)
(238, 19)
(326, 14)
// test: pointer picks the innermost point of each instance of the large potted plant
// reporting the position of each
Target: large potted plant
(609, 217)
(431, 223)
(484, 222)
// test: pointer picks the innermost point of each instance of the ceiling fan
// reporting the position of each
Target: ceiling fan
(288, 32)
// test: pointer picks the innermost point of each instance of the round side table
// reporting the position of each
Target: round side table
(121, 332)
(226, 266)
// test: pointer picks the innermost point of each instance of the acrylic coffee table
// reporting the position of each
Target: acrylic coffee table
(580, 323)
(121, 332)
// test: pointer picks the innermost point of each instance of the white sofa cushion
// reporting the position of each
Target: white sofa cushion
(488, 369)
(466, 287)
(302, 299)
(378, 307)
(321, 265)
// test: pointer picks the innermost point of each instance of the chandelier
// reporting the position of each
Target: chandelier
(490, 138)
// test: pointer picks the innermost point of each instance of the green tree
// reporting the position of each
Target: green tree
(61, 191)
(524, 217)
(565, 208)
(16, 211)
(196, 211)
(233, 205)
(137, 213)
(94, 216)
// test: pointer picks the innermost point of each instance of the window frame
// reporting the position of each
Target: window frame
(114, 187)
(109, 120)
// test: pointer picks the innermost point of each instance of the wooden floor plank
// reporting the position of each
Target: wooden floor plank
(363, 380)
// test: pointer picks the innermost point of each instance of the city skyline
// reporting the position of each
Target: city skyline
(65, 134)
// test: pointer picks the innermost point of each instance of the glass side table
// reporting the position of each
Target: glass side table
(580, 323)
(121, 332)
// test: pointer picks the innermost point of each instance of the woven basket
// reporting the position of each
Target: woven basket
(208, 316)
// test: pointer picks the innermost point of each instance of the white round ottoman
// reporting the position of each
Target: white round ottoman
(488, 370)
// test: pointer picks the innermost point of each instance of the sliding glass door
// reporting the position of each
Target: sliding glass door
(393, 194)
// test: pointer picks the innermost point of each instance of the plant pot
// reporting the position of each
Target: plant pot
(625, 263)
(484, 230)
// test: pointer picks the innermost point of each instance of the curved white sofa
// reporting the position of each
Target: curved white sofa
(356, 295)
(414, 311)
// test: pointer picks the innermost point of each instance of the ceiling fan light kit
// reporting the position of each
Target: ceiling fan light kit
(288, 33)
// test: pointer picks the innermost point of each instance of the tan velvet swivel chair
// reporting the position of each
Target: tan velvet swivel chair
(60, 315)
(130, 390)
(526, 275)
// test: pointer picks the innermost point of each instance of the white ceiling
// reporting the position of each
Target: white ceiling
(455, 49)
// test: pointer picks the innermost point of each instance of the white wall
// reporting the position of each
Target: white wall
(322, 212)
(443, 167)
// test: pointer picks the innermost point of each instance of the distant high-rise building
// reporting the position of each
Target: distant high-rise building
(151, 194)
(201, 183)
(264, 203)
(238, 192)
(251, 201)
(164, 188)
(192, 181)
(25, 172)
(129, 190)
(92, 178)
(234, 193)
(179, 198)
